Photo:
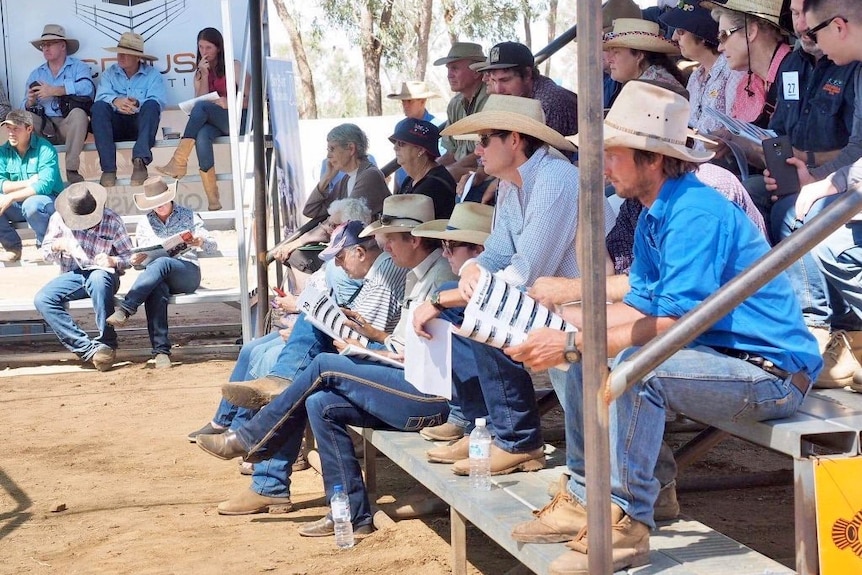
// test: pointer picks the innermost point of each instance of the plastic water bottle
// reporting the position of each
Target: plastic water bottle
(480, 456)
(341, 518)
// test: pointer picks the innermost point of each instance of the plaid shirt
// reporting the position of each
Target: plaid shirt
(107, 237)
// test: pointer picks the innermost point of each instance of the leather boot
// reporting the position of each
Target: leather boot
(176, 168)
(249, 502)
(208, 179)
(223, 445)
(256, 393)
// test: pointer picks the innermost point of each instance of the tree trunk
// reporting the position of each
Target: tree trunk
(528, 16)
(372, 50)
(308, 95)
(449, 19)
(552, 30)
(423, 33)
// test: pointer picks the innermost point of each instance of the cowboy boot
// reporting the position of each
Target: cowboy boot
(176, 168)
(208, 179)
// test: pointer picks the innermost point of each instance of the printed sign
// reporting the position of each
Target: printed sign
(839, 514)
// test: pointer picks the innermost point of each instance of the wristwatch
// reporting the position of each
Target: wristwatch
(435, 301)
(571, 353)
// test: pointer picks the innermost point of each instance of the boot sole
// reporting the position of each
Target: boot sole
(274, 509)
(527, 466)
(448, 460)
(539, 538)
(245, 397)
(175, 175)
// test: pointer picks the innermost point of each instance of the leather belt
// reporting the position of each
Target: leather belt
(800, 379)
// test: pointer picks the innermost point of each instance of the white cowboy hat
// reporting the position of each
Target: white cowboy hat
(401, 213)
(413, 90)
(56, 32)
(638, 34)
(769, 10)
(81, 205)
(132, 44)
(511, 113)
(470, 223)
(156, 193)
(651, 118)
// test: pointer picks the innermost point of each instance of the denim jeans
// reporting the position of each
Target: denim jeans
(35, 210)
(161, 278)
(304, 344)
(840, 259)
(333, 392)
(207, 122)
(698, 382)
(227, 414)
(98, 285)
(110, 126)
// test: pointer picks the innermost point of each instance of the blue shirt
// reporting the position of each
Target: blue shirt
(145, 84)
(692, 241)
(41, 159)
(74, 76)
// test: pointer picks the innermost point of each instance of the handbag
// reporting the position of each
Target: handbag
(69, 102)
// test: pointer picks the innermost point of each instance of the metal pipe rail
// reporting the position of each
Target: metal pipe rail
(733, 293)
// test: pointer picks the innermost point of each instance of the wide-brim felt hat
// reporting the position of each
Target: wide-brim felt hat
(156, 193)
(638, 34)
(470, 223)
(401, 213)
(56, 32)
(769, 10)
(651, 118)
(132, 44)
(688, 15)
(513, 114)
(413, 90)
(613, 9)
(81, 205)
(462, 51)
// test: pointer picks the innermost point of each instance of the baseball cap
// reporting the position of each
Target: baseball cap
(344, 236)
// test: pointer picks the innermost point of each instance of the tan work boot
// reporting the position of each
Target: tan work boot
(208, 179)
(177, 166)
(249, 502)
(10, 255)
(445, 432)
(503, 462)
(450, 453)
(822, 335)
(557, 522)
(256, 393)
(666, 506)
(630, 540)
(840, 360)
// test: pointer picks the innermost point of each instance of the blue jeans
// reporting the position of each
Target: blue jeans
(304, 344)
(35, 210)
(207, 122)
(227, 414)
(110, 126)
(161, 278)
(333, 392)
(98, 285)
(700, 383)
(840, 259)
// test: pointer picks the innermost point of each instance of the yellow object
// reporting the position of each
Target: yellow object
(838, 495)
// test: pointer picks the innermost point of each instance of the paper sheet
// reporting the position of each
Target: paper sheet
(428, 363)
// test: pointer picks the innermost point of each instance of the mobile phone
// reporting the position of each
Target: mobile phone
(278, 291)
(775, 154)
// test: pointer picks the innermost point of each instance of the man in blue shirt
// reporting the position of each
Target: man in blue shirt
(29, 182)
(60, 75)
(128, 106)
(755, 363)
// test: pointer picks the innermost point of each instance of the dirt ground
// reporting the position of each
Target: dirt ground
(110, 450)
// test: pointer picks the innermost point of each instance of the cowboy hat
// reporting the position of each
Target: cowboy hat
(613, 9)
(413, 90)
(81, 205)
(56, 32)
(401, 213)
(511, 113)
(156, 193)
(132, 44)
(470, 223)
(638, 34)
(651, 118)
(462, 51)
(769, 10)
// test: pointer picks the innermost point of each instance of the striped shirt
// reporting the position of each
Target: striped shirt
(107, 237)
(379, 298)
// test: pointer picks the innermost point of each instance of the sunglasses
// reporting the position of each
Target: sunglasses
(451, 245)
(811, 33)
(723, 35)
(386, 219)
(484, 139)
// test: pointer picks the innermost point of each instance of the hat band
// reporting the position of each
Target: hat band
(452, 229)
(644, 134)
(387, 220)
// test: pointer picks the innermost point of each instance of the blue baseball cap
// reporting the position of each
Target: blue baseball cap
(419, 133)
(688, 15)
(344, 236)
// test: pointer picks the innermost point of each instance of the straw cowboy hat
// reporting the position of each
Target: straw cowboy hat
(462, 51)
(470, 223)
(639, 34)
(511, 113)
(413, 90)
(156, 193)
(81, 205)
(401, 213)
(613, 9)
(56, 32)
(651, 118)
(769, 10)
(132, 44)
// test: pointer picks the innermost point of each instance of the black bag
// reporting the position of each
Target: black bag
(67, 103)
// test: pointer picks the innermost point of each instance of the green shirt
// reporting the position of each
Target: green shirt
(41, 159)
(458, 109)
